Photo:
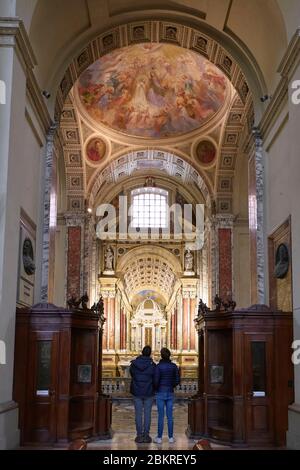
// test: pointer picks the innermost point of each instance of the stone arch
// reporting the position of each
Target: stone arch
(119, 166)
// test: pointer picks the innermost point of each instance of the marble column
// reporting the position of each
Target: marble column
(256, 215)
(90, 261)
(108, 290)
(214, 258)
(189, 294)
(105, 327)
(172, 329)
(176, 329)
(122, 328)
(75, 254)
(192, 325)
(128, 332)
(225, 261)
(222, 255)
(112, 330)
(179, 326)
(118, 319)
(49, 218)
(185, 321)
(125, 331)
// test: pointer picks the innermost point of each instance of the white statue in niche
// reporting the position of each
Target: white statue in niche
(188, 260)
(109, 259)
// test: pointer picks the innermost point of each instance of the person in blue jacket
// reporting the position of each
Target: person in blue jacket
(142, 388)
(166, 378)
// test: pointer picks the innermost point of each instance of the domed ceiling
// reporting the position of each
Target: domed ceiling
(152, 90)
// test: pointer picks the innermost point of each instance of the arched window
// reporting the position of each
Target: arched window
(149, 208)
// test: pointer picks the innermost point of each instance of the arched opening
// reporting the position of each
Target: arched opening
(111, 107)
(149, 126)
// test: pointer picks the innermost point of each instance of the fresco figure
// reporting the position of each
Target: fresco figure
(152, 90)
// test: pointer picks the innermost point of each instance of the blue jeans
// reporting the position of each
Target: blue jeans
(143, 408)
(165, 399)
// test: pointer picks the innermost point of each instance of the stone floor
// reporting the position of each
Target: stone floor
(124, 431)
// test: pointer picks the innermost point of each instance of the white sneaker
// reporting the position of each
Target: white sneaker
(157, 440)
(171, 440)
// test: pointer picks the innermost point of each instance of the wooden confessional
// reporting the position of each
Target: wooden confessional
(245, 381)
(57, 376)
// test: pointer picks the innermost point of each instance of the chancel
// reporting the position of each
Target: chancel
(149, 186)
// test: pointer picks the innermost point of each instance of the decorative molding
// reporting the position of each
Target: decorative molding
(37, 102)
(291, 57)
(278, 101)
(13, 34)
(286, 69)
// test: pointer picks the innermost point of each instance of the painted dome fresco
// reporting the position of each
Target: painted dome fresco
(152, 90)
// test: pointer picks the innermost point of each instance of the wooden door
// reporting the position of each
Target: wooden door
(258, 370)
(42, 390)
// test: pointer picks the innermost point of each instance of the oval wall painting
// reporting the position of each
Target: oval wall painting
(206, 152)
(95, 150)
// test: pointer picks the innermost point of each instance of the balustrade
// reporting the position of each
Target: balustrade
(120, 387)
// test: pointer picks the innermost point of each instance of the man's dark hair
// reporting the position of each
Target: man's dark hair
(165, 354)
(146, 351)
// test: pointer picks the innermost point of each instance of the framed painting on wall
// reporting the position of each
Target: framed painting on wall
(27, 261)
(216, 374)
(84, 373)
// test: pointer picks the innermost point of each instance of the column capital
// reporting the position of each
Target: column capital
(75, 219)
(108, 287)
(223, 220)
(189, 288)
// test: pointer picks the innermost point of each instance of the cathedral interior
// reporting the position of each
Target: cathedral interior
(150, 159)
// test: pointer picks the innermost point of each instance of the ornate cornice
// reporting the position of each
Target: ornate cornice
(291, 57)
(36, 100)
(13, 34)
(279, 99)
(286, 69)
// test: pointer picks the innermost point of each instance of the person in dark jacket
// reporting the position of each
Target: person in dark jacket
(166, 378)
(142, 388)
